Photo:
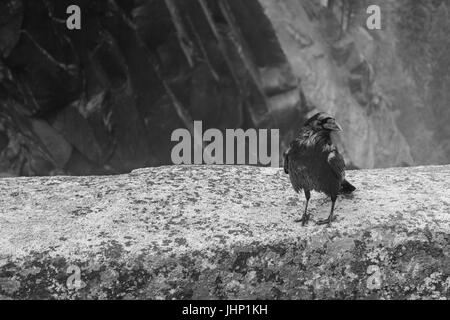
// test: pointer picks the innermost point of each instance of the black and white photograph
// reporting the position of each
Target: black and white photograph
(235, 152)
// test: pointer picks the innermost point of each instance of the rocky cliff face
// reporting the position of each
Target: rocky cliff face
(105, 99)
(369, 78)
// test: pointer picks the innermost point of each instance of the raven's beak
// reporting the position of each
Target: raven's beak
(332, 125)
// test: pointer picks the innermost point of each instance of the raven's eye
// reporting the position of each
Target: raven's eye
(323, 121)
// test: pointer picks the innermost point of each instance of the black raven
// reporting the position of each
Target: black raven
(314, 163)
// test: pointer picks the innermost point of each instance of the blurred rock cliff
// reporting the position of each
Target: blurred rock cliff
(105, 99)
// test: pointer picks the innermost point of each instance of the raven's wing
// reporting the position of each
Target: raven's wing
(286, 160)
(291, 166)
(337, 163)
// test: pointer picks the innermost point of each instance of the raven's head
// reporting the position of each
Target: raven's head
(322, 122)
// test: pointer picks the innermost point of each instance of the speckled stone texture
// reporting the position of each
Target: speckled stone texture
(224, 232)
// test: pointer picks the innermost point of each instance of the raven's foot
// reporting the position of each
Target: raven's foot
(304, 219)
(326, 221)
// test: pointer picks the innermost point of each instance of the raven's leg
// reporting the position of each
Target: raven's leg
(305, 216)
(330, 217)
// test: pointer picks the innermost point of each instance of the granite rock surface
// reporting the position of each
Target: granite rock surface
(224, 232)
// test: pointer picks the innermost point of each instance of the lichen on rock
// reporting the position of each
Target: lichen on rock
(224, 232)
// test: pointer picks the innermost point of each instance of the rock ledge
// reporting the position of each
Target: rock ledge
(224, 232)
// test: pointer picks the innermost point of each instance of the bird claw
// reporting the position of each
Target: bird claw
(304, 220)
(326, 221)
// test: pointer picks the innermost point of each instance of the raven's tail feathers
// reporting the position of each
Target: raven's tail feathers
(347, 187)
